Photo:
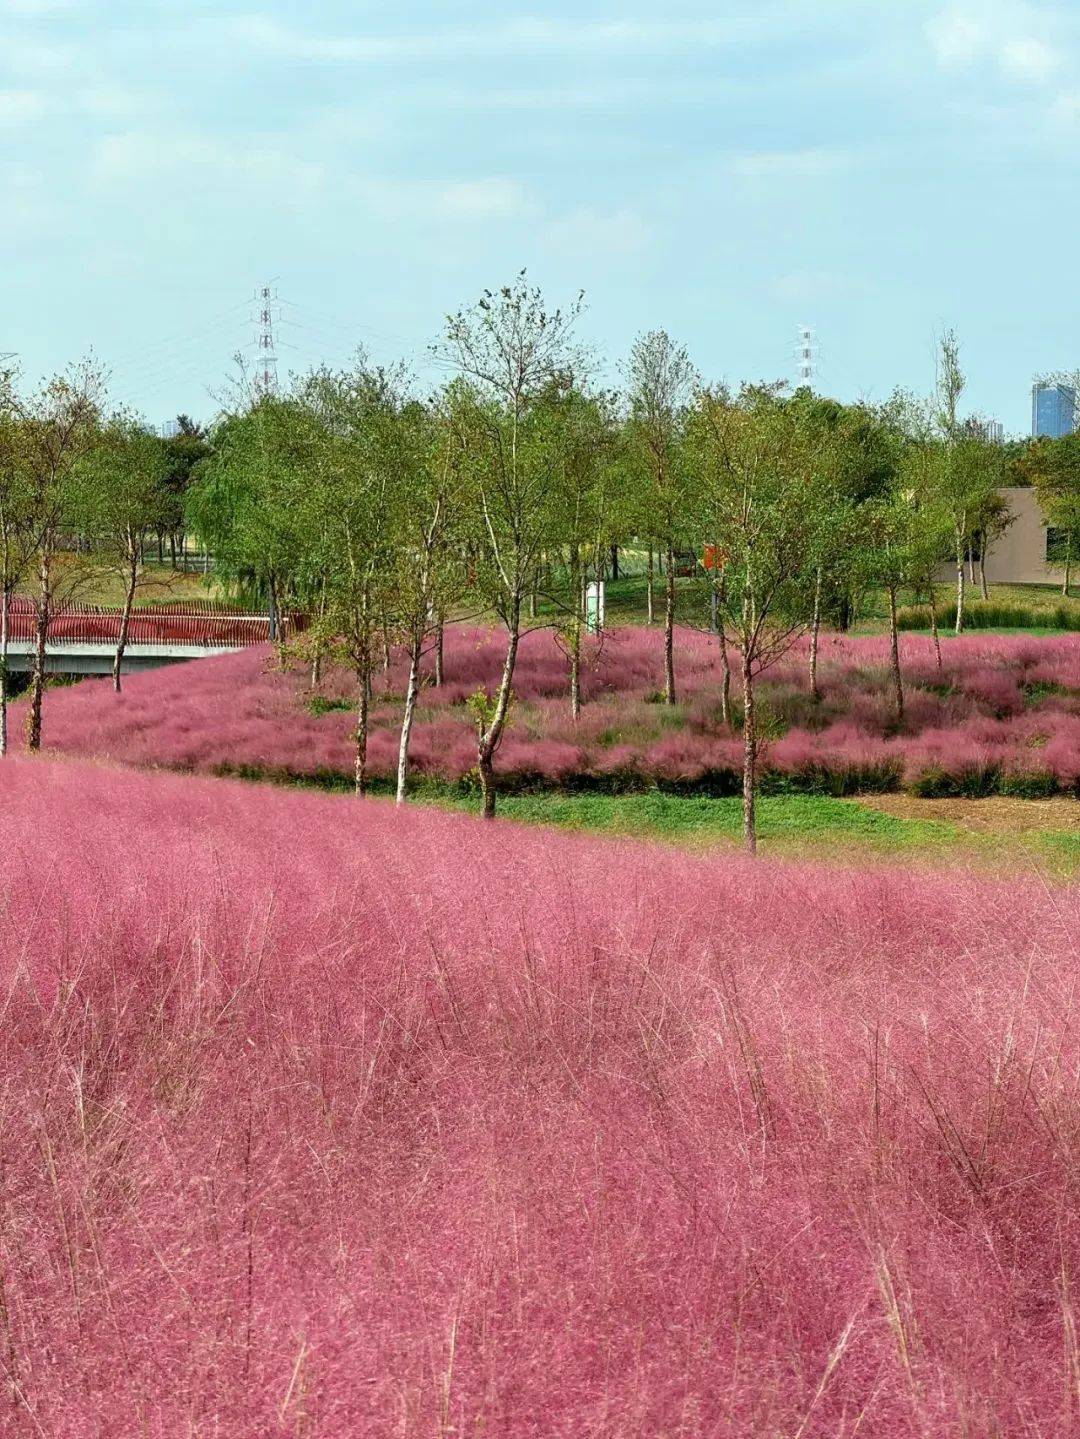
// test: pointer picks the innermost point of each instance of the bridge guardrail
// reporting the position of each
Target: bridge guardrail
(209, 628)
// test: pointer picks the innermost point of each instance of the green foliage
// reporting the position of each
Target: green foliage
(994, 615)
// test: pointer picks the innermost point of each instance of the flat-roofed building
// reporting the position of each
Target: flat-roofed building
(1027, 553)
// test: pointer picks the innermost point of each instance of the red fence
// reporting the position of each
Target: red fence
(200, 623)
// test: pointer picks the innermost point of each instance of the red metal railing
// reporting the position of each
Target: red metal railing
(200, 624)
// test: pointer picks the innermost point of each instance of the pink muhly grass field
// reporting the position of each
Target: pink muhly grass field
(321, 1118)
(1005, 704)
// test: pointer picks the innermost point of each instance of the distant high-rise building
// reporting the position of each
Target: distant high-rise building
(1053, 410)
(169, 430)
(995, 432)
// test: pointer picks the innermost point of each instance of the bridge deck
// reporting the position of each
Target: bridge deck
(82, 639)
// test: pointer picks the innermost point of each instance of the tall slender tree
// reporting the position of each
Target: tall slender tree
(118, 498)
(509, 349)
(660, 381)
(17, 533)
(58, 425)
(753, 461)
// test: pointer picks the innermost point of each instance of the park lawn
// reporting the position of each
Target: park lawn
(815, 826)
(161, 584)
(626, 603)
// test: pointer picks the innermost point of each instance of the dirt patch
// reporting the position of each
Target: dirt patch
(996, 815)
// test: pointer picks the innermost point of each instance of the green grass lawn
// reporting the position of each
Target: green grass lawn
(796, 826)
(626, 601)
(161, 584)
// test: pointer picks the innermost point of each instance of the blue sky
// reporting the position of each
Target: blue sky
(727, 171)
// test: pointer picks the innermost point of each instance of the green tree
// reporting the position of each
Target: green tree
(185, 453)
(969, 470)
(243, 503)
(661, 378)
(428, 543)
(17, 532)
(852, 464)
(509, 348)
(348, 522)
(753, 463)
(580, 433)
(1053, 467)
(57, 425)
(118, 498)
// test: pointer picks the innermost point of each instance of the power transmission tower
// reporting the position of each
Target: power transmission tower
(806, 354)
(266, 375)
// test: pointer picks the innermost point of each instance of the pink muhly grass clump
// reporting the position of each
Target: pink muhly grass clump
(999, 699)
(324, 1118)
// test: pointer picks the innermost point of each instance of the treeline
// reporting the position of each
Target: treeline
(515, 487)
(85, 490)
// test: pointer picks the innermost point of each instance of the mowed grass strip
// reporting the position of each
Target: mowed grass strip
(809, 826)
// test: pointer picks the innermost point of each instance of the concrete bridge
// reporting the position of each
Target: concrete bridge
(74, 658)
(82, 640)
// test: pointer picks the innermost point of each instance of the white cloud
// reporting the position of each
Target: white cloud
(494, 199)
(1028, 59)
(1065, 110)
(37, 58)
(276, 165)
(587, 232)
(818, 286)
(957, 40)
(523, 36)
(31, 9)
(19, 107)
(1004, 35)
(261, 164)
(791, 164)
(454, 202)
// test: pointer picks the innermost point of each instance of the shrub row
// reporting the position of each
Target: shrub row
(973, 781)
(993, 615)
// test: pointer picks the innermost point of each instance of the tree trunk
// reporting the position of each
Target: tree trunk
(317, 652)
(439, 652)
(160, 548)
(363, 675)
(5, 612)
(894, 656)
(614, 562)
(172, 548)
(669, 628)
(125, 616)
(490, 737)
(575, 673)
(651, 590)
(934, 626)
(815, 631)
(578, 588)
(720, 596)
(749, 788)
(37, 679)
(982, 571)
(971, 565)
(415, 648)
(1068, 565)
(959, 584)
